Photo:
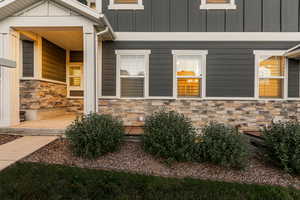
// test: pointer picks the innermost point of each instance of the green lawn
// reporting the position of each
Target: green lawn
(38, 181)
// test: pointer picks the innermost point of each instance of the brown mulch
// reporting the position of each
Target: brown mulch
(8, 138)
(131, 158)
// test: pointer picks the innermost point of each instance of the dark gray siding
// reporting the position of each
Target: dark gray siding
(28, 58)
(230, 65)
(186, 16)
(293, 81)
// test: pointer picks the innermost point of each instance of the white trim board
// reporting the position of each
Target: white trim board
(207, 36)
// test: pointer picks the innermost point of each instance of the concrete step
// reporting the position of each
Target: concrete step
(33, 131)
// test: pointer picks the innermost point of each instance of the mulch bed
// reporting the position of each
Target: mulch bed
(131, 158)
(8, 138)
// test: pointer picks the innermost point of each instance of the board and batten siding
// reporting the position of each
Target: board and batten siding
(230, 66)
(28, 58)
(186, 16)
(53, 62)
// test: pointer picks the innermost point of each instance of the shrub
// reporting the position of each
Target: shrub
(94, 135)
(169, 135)
(222, 145)
(283, 145)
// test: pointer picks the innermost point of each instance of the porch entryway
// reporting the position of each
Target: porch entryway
(44, 79)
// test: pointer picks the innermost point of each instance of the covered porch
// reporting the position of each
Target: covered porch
(56, 56)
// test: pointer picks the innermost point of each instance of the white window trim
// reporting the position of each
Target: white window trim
(206, 6)
(203, 54)
(114, 6)
(146, 54)
(257, 78)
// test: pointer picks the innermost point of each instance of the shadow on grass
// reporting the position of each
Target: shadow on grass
(34, 181)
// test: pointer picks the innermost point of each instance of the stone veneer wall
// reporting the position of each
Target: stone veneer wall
(45, 95)
(250, 115)
(36, 95)
(75, 105)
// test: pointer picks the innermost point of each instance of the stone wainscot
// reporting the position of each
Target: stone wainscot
(249, 115)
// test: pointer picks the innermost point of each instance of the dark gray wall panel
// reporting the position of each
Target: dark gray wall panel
(125, 20)
(143, 19)
(235, 18)
(28, 58)
(160, 15)
(271, 16)
(215, 21)
(230, 65)
(109, 69)
(290, 15)
(179, 16)
(252, 15)
(186, 16)
(196, 17)
(293, 81)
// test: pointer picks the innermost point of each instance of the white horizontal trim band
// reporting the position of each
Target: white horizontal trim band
(207, 36)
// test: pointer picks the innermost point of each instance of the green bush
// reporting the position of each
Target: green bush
(94, 135)
(222, 145)
(169, 135)
(283, 145)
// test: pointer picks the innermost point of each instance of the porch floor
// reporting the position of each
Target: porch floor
(60, 122)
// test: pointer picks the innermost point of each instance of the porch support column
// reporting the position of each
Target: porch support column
(90, 66)
(9, 79)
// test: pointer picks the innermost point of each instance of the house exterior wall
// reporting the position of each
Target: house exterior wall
(249, 115)
(37, 95)
(230, 66)
(186, 16)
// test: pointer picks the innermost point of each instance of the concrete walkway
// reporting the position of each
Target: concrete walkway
(13, 151)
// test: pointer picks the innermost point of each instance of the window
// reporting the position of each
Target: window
(132, 73)
(217, 4)
(126, 4)
(271, 73)
(75, 74)
(189, 72)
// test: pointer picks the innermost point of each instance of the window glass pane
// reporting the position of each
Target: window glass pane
(271, 66)
(126, 1)
(132, 87)
(218, 1)
(188, 65)
(270, 88)
(132, 65)
(75, 71)
(75, 82)
(188, 87)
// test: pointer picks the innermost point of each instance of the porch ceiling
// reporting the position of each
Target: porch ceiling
(67, 38)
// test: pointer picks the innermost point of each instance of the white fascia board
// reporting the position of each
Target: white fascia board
(207, 36)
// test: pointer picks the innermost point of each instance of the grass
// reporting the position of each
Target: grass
(39, 181)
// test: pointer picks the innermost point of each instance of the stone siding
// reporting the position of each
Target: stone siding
(45, 95)
(249, 115)
(75, 105)
(37, 95)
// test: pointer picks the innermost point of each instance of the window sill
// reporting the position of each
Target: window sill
(125, 7)
(218, 7)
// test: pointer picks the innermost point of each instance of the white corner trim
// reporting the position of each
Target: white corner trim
(207, 36)
(114, 6)
(206, 6)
